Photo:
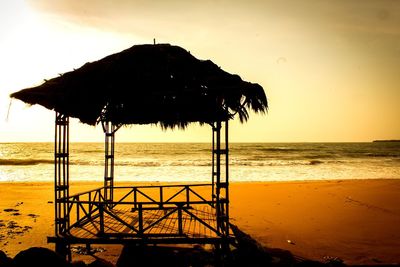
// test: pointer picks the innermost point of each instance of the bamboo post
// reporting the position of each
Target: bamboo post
(61, 182)
(101, 213)
(140, 214)
(161, 197)
(109, 133)
(180, 225)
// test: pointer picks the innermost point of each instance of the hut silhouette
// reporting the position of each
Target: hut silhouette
(145, 84)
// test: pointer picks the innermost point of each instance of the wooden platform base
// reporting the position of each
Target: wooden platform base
(187, 225)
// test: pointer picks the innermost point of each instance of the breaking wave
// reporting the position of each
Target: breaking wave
(169, 161)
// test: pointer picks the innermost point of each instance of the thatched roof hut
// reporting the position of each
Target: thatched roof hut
(145, 84)
(160, 84)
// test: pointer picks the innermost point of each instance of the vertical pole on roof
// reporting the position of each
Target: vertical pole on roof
(61, 182)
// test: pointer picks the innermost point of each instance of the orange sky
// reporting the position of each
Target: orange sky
(329, 68)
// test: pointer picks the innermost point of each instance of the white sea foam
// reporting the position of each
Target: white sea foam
(192, 162)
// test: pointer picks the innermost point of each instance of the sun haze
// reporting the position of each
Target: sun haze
(329, 68)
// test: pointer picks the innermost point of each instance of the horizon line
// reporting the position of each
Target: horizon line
(231, 142)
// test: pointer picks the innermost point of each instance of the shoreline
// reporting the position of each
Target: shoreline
(99, 181)
(356, 220)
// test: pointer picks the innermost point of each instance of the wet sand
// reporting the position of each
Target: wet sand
(357, 221)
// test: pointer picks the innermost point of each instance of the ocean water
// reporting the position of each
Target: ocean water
(177, 162)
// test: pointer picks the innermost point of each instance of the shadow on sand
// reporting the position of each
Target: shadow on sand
(247, 252)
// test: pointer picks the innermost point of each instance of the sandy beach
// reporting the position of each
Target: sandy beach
(357, 221)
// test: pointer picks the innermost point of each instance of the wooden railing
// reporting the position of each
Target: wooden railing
(176, 201)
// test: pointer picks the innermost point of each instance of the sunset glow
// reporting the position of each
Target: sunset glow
(329, 69)
(122, 144)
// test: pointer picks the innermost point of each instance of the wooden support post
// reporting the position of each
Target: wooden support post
(109, 149)
(140, 214)
(64, 250)
(77, 210)
(187, 196)
(220, 177)
(88, 249)
(61, 182)
(226, 202)
(101, 214)
(180, 224)
(161, 197)
(90, 202)
(135, 198)
(213, 173)
(218, 173)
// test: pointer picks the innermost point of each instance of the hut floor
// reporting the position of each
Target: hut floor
(157, 224)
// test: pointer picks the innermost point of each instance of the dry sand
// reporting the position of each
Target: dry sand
(357, 221)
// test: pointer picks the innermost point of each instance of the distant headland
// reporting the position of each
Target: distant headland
(386, 141)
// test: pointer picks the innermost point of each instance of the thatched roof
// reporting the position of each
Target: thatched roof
(148, 84)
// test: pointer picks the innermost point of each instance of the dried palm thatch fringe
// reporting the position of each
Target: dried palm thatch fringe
(149, 84)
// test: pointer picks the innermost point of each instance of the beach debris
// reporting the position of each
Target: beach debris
(291, 242)
(33, 215)
(12, 225)
(11, 210)
(81, 250)
(16, 214)
(18, 204)
(12, 234)
(50, 202)
(12, 229)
